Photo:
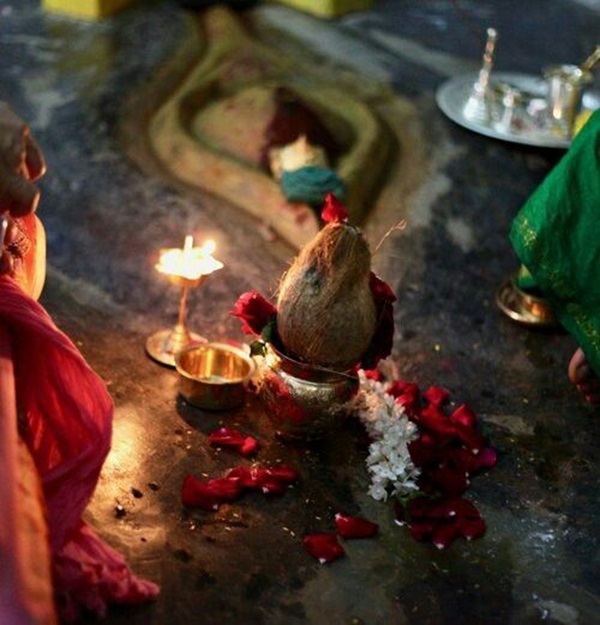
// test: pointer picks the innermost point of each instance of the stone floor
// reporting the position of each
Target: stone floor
(107, 216)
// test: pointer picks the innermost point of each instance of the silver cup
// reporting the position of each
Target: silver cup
(566, 85)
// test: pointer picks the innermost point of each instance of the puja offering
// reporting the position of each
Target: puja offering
(333, 316)
(214, 376)
(326, 313)
(533, 110)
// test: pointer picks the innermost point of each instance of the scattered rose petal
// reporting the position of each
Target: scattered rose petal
(284, 472)
(233, 439)
(464, 415)
(354, 527)
(271, 486)
(442, 521)
(324, 547)
(473, 528)
(444, 535)
(436, 395)
(226, 488)
(249, 478)
(273, 480)
(249, 446)
(195, 493)
(406, 394)
(225, 437)
(333, 210)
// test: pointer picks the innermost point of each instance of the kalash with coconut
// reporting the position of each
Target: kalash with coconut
(333, 317)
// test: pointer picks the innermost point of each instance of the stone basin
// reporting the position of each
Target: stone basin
(208, 130)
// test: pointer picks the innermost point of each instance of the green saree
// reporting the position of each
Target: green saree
(556, 236)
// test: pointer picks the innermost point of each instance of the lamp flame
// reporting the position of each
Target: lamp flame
(189, 262)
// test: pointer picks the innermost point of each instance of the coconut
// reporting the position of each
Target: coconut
(326, 312)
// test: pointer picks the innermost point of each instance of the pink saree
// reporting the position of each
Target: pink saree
(65, 419)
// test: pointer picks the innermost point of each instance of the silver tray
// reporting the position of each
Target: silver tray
(452, 97)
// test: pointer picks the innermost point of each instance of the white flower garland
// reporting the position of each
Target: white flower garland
(389, 462)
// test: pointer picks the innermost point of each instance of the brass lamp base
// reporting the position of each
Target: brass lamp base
(164, 344)
(524, 307)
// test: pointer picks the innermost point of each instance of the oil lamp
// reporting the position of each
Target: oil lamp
(188, 268)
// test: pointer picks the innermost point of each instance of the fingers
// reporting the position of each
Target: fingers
(579, 368)
(10, 256)
(584, 377)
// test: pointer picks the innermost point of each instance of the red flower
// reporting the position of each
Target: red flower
(354, 527)
(324, 546)
(333, 210)
(254, 311)
(234, 439)
(383, 339)
(441, 521)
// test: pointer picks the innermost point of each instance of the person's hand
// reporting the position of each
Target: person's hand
(21, 162)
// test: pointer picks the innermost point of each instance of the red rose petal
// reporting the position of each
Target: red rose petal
(324, 547)
(464, 415)
(249, 478)
(226, 436)
(373, 374)
(354, 527)
(249, 446)
(445, 534)
(272, 481)
(225, 488)
(397, 388)
(284, 472)
(382, 340)
(487, 458)
(333, 210)
(272, 486)
(195, 493)
(422, 530)
(233, 439)
(254, 311)
(436, 395)
(449, 480)
(472, 528)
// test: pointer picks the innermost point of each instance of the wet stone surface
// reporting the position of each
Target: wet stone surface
(539, 560)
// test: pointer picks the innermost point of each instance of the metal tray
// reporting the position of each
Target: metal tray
(452, 97)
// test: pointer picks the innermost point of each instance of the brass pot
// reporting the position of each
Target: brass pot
(305, 402)
(214, 376)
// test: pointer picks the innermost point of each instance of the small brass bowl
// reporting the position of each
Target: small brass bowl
(524, 307)
(213, 376)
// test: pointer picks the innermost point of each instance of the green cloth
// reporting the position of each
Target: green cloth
(311, 184)
(556, 236)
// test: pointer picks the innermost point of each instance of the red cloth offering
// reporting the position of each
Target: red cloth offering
(67, 414)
